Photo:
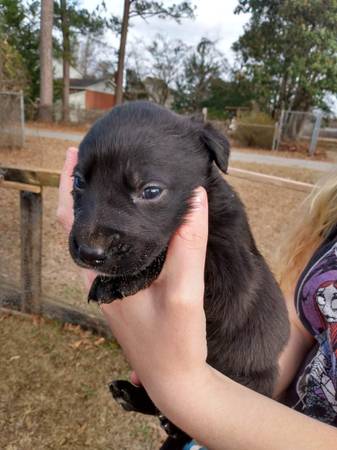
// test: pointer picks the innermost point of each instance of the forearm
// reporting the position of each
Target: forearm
(297, 348)
(222, 414)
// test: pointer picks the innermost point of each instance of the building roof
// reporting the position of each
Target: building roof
(78, 83)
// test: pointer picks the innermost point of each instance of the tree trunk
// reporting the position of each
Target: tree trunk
(46, 61)
(121, 53)
(66, 60)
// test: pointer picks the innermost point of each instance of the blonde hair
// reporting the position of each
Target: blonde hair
(317, 218)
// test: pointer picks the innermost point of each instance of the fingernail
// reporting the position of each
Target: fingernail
(71, 150)
(199, 197)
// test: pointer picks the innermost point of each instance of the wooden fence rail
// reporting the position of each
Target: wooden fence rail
(30, 183)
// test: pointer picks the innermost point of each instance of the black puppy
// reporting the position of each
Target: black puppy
(133, 183)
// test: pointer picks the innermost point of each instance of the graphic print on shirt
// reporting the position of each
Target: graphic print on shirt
(316, 388)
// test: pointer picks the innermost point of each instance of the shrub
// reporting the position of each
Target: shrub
(255, 129)
(13, 75)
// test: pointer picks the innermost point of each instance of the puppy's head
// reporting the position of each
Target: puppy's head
(137, 169)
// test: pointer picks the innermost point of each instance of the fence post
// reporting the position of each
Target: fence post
(22, 118)
(204, 113)
(275, 141)
(31, 251)
(315, 133)
(278, 131)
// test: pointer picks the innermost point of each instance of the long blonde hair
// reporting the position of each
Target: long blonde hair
(317, 218)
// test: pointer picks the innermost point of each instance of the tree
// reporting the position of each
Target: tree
(72, 21)
(203, 65)
(134, 87)
(289, 51)
(19, 27)
(46, 61)
(234, 93)
(167, 56)
(145, 9)
(94, 57)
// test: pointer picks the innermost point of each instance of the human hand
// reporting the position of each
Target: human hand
(65, 213)
(162, 329)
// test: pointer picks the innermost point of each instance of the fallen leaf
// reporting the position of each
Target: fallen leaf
(38, 320)
(99, 341)
(77, 344)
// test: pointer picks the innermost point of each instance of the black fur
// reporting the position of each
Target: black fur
(139, 144)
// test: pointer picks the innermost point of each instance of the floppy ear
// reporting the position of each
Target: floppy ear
(217, 146)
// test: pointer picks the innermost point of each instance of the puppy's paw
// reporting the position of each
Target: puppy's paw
(121, 396)
(132, 398)
(103, 290)
(172, 430)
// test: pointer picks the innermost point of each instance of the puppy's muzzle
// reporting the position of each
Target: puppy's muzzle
(94, 256)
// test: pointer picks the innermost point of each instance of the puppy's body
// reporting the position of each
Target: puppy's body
(140, 144)
(246, 318)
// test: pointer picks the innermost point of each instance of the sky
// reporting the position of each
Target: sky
(215, 20)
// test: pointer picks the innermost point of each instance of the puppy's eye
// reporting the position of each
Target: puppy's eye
(151, 192)
(79, 183)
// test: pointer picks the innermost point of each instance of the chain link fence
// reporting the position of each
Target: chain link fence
(297, 131)
(11, 119)
(291, 131)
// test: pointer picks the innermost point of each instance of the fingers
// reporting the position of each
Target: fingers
(88, 277)
(65, 204)
(134, 379)
(185, 262)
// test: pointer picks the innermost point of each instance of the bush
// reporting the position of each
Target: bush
(13, 76)
(255, 129)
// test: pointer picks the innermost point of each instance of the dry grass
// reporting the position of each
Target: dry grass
(270, 212)
(53, 381)
(321, 154)
(38, 152)
(60, 275)
(58, 126)
(54, 395)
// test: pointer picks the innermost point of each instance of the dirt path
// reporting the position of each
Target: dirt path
(51, 134)
(236, 155)
(321, 166)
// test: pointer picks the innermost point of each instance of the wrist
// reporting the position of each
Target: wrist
(177, 395)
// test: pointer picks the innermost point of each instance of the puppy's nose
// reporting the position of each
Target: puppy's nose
(91, 255)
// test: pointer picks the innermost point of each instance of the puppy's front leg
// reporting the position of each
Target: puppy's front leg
(135, 398)
(107, 289)
(132, 398)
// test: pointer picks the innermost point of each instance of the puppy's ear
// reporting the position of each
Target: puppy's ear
(217, 146)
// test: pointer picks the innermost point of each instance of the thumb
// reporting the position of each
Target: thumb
(185, 261)
(65, 203)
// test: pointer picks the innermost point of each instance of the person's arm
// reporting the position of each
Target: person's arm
(298, 346)
(222, 414)
(162, 331)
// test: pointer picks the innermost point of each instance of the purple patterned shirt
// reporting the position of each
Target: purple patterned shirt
(313, 391)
